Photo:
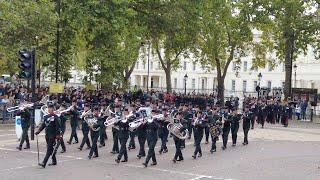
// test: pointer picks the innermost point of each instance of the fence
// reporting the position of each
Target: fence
(4, 115)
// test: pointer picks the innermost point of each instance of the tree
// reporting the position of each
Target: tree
(224, 35)
(169, 30)
(289, 29)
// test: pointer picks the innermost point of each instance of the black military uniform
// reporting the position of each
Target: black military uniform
(235, 119)
(74, 124)
(163, 134)
(102, 131)
(198, 134)
(85, 132)
(247, 117)
(115, 135)
(94, 133)
(152, 137)
(215, 121)
(207, 119)
(177, 142)
(63, 120)
(226, 129)
(142, 137)
(53, 131)
(25, 124)
(123, 138)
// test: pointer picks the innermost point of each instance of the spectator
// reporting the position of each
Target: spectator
(304, 106)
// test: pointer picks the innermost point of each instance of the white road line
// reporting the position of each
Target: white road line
(1, 135)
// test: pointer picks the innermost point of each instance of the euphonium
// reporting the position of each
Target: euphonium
(111, 121)
(175, 129)
(91, 121)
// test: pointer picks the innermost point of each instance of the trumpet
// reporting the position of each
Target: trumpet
(20, 107)
(135, 124)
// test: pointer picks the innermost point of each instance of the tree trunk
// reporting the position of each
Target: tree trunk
(220, 90)
(168, 79)
(289, 46)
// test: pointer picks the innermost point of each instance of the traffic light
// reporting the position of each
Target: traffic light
(26, 65)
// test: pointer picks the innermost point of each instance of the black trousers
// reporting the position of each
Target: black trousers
(234, 132)
(142, 141)
(190, 130)
(63, 146)
(214, 141)
(152, 141)
(207, 132)
(73, 134)
(85, 139)
(94, 148)
(198, 137)
(24, 137)
(102, 135)
(225, 134)
(164, 138)
(261, 120)
(252, 122)
(123, 148)
(177, 143)
(115, 136)
(132, 144)
(246, 128)
(51, 142)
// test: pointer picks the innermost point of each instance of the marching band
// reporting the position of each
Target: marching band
(148, 121)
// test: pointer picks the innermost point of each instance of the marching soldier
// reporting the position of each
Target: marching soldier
(95, 132)
(142, 137)
(123, 137)
(152, 137)
(226, 127)
(247, 117)
(52, 128)
(163, 132)
(25, 124)
(215, 121)
(177, 142)
(63, 120)
(198, 134)
(85, 130)
(74, 123)
(102, 131)
(115, 132)
(235, 119)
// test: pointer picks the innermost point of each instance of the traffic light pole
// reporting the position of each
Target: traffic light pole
(33, 88)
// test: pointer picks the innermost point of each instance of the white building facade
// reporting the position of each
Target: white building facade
(200, 80)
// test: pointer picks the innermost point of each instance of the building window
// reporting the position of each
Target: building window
(137, 65)
(245, 66)
(270, 67)
(144, 65)
(184, 65)
(283, 67)
(269, 84)
(159, 65)
(202, 84)
(255, 84)
(234, 65)
(175, 81)
(233, 85)
(193, 83)
(151, 65)
(194, 66)
(244, 86)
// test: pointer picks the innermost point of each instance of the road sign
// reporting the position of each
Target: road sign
(56, 88)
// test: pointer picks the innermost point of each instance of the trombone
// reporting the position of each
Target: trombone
(20, 107)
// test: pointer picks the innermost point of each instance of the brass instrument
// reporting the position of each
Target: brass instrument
(112, 120)
(91, 121)
(137, 123)
(20, 107)
(59, 112)
(175, 129)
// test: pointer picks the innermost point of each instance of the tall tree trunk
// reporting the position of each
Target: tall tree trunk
(168, 78)
(220, 88)
(289, 47)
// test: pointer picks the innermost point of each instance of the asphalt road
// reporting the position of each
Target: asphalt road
(274, 152)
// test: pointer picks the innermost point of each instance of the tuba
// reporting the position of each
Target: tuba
(175, 129)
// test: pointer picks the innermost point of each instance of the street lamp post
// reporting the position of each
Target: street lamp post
(258, 88)
(39, 65)
(148, 66)
(185, 83)
(295, 75)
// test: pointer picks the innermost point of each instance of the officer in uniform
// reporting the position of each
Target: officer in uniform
(63, 119)
(85, 130)
(177, 142)
(208, 117)
(198, 134)
(123, 136)
(74, 123)
(25, 124)
(152, 137)
(163, 132)
(226, 126)
(215, 121)
(142, 137)
(235, 119)
(52, 128)
(102, 131)
(95, 132)
(132, 134)
(247, 117)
